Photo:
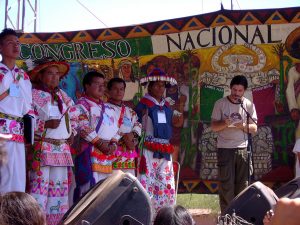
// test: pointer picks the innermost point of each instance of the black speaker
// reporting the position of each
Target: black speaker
(290, 189)
(119, 200)
(253, 203)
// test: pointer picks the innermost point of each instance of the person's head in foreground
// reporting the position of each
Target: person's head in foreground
(19, 208)
(173, 215)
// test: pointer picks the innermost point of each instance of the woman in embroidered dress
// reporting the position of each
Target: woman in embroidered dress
(51, 157)
(155, 166)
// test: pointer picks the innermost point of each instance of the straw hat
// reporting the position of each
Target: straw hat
(35, 67)
(158, 75)
(292, 43)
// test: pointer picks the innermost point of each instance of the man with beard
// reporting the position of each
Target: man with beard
(229, 120)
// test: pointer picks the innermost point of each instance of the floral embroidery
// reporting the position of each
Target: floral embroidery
(159, 181)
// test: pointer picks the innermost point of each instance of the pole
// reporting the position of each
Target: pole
(23, 15)
(249, 148)
(5, 19)
(249, 137)
(35, 15)
(18, 16)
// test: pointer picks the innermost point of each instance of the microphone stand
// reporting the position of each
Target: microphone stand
(249, 136)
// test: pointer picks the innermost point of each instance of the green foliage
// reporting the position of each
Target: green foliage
(199, 201)
(137, 97)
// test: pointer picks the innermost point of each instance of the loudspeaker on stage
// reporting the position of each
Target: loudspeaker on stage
(290, 189)
(118, 200)
(253, 203)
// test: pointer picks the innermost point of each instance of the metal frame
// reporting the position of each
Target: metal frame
(17, 22)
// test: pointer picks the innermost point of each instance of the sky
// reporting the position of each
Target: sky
(73, 15)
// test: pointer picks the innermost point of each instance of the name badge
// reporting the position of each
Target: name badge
(161, 117)
(95, 111)
(54, 111)
(14, 90)
(127, 122)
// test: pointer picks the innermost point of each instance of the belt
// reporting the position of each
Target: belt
(16, 118)
(156, 140)
(56, 142)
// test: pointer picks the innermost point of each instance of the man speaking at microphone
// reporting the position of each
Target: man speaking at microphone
(229, 120)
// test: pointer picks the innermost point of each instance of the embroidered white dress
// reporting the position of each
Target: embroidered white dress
(50, 184)
(12, 108)
(124, 158)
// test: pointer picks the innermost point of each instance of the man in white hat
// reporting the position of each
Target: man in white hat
(155, 167)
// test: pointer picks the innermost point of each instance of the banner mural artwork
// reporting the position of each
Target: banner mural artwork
(203, 53)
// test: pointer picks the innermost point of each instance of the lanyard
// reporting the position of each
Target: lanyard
(120, 121)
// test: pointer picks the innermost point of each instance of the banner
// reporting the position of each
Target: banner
(203, 53)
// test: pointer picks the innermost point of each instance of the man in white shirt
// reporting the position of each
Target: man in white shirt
(15, 102)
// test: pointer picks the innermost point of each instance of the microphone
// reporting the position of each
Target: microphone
(239, 101)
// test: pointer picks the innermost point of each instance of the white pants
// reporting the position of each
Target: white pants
(13, 173)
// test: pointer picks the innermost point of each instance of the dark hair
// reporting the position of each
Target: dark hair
(173, 215)
(151, 83)
(5, 32)
(20, 208)
(115, 80)
(88, 78)
(239, 80)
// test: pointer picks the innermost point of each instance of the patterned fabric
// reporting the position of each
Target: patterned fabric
(160, 130)
(54, 95)
(13, 108)
(8, 126)
(158, 181)
(56, 155)
(50, 187)
(42, 103)
(6, 116)
(159, 147)
(89, 115)
(16, 107)
(45, 153)
(125, 158)
(49, 177)
(17, 138)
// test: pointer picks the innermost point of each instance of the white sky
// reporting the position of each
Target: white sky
(70, 15)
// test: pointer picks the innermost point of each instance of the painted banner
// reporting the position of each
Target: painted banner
(203, 52)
